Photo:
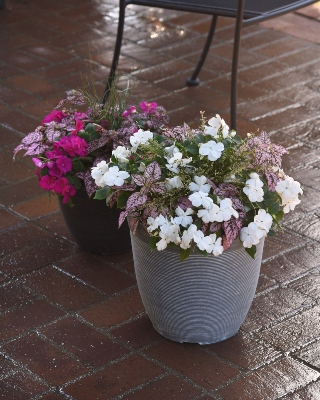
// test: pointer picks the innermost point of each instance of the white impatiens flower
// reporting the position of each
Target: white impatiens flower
(199, 184)
(289, 190)
(203, 242)
(214, 125)
(154, 223)
(199, 199)
(173, 183)
(98, 172)
(121, 153)
(226, 211)
(169, 232)
(187, 236)
(176, 161)
(212, 150)
(115, 177)
(217, 247)
(183, 217)
(209, 215)
(140, 137)
(264, 221)
(251, 235)
(253, 188)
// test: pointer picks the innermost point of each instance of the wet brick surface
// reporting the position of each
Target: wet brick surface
(73, 326)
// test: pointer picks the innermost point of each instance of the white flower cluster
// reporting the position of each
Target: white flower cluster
(105, 176)
(253, 188)
(289, 189)
(170, 232)
(140, 137)
(215, 124)
(175, 160)
(259, 228)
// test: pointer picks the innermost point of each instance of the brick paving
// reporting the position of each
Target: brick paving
(72, 324)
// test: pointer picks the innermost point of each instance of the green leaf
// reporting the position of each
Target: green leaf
(271, 232)
(91, 132)
(77, 165)
(280, 215)
(84, 135)
(186, 143)
(273, 208)
(237, 139)
(122, 199)
(270, 197)
(184, 254)
(214, 197)
(251, 251)
(203, 252)
(73, 180)
(153, 242)
(44, 171)
(193, 149)
(102, 193)
(199, 138)
(160, 139)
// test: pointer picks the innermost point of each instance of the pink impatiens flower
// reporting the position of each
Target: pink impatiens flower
(55, 116)
(148, 107)
(129, 111)
(78, 128)
(46, 182)
(64, 164)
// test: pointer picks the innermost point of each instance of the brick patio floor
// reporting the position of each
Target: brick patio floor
(72, 325)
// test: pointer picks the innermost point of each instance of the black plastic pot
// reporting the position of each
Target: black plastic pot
(94, 225)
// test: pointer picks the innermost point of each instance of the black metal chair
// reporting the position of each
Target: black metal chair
(246, 12)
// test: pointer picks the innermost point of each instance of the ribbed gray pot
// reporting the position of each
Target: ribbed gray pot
(200, 300)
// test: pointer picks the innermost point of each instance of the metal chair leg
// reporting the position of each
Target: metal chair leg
(235, 64)
(194, 81)
(116, 54)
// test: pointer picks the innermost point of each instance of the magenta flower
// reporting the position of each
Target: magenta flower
(74, 146)
(38, 163)
(129, 111)
(53, 116)
(79, 127)
(64, 164)
(61, 185)
(54, 170)
(46, 182)
(56, 152)
(148, 107)
(78, 115)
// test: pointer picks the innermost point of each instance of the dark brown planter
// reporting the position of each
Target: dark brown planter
(94, 226)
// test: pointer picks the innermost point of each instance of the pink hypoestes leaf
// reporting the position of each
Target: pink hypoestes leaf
(136, 200)
(272, 180)
(153, 172)
(231, 230)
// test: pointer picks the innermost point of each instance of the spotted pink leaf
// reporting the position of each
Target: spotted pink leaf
(136, 200)
(153, 172)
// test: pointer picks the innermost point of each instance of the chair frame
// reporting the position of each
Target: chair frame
(243, 18)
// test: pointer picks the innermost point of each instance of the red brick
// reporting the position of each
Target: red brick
(309, 392)
(7, 367)
(42, 253)
(115, 310)
(44, 360)
(17, 238)
(273, 305)
(84, 342)
(21, 191)
(293, 263)
(245, 351)
(21, 386)
(308, 285)
(62, 289)
(28, 316)
(311, 355)
(37, 207)
(138, 333)
(12, 295)
(268, 383)
(308, 225)
(295, 331)
(56, 224)
(8, 220)
(169, 387)
(202, 368)
(281, 242)
(114, 379)
(52, 396)
(96, 273)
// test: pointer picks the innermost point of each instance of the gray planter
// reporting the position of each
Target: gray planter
(200, 300)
